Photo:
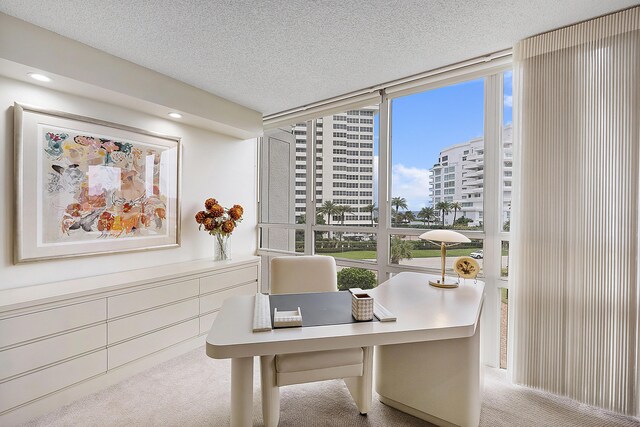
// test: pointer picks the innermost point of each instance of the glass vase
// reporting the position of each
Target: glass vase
(221, 248)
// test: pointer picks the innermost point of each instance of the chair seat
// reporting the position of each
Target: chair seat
(296, 368)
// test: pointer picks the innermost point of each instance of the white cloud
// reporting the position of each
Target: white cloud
(411, 183)
(508, 101)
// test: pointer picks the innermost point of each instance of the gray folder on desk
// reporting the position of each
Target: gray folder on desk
(318, 308)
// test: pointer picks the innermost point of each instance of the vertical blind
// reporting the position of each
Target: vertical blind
(575, 212)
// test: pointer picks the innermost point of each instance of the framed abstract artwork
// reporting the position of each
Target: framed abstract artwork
(87, 187)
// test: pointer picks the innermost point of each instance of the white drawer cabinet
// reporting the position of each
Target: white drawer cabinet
(206, 321)
(150, 343)
(29, 387)
(83, 332)
(148, 298)
(214, 301)
(42, 323)
(223, 280)
(127, 327)
(51, 350)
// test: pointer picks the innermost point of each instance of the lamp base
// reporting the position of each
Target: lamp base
(445, 284)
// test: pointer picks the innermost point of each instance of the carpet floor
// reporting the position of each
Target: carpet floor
(193, 390)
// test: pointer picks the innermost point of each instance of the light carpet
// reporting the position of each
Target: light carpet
(193, 390)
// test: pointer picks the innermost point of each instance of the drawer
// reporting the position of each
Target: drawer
(40, 353)
(142, 323)
(206, 321)
(35, 325)
(37, 384)
(214, 301)
(230, 278)
(150, 343)
(149, 298)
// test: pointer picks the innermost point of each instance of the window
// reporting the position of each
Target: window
(507, 149)
(436, 145)
(431, 131)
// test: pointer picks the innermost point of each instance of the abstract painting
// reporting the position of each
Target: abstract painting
(89, 187)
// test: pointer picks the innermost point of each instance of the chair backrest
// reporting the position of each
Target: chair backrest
(298, 274)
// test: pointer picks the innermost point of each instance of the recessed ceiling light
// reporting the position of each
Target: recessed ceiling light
(39, 77)
(175, 115)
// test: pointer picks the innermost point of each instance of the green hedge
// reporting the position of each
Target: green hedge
(356, 278)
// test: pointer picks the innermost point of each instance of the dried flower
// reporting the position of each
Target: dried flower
(209, 224)
(216, 211)
(235, 212)
(228, 226)
(161, 213)
(201, 216)
(210, 203)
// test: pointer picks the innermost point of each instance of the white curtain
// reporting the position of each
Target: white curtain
(575, 235)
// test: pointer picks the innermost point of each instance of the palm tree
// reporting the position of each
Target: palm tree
(400, 249)
(456, 207)
(371, 209)
(406, 217)
(426, 214)
(341, 210)
(444, 207)
(329, 209)
(398, 202)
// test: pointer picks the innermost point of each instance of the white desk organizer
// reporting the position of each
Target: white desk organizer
(361, 306)
(287, 319)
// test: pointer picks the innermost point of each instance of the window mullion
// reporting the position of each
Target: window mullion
(384, 167)
(310, 208)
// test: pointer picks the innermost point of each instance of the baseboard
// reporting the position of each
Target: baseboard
(76, 391)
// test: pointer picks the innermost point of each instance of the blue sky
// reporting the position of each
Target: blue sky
(425, 123)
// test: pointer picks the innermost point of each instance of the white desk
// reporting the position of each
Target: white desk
(425, 314)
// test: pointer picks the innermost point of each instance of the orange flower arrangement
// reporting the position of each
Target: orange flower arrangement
(218, 220)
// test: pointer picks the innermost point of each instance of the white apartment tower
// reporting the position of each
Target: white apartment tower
(459, 177)
(344, 163)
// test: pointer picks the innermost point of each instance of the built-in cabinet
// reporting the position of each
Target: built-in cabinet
(55, 336)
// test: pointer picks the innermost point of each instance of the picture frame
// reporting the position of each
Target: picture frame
(86, 187)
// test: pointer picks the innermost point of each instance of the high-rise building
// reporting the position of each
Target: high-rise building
(344, 164)
(459, 177)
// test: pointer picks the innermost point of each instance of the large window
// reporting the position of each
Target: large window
(363, 183)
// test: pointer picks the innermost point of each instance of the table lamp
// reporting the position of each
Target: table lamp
(442, 237)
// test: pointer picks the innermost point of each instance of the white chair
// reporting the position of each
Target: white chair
(298, 274)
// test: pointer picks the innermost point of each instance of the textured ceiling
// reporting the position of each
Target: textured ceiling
(273, 55)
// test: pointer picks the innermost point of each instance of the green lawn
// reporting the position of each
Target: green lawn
(417, 253)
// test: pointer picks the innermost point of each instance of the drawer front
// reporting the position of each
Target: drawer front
(142, 323)
(149, 298)
(229, 278)
(37, 384)
(40, 353)
(29, 326)
(206, 321)
(150, 343)
(214, 301)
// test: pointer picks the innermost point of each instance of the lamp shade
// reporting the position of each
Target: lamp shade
(447, 236)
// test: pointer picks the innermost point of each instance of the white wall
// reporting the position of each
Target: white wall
(213, 165)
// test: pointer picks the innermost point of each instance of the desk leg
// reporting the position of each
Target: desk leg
(242, 392)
